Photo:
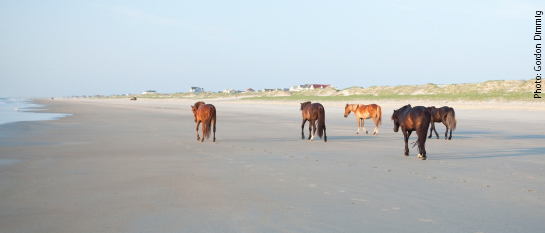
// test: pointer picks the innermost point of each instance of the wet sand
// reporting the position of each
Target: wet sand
(136, 166)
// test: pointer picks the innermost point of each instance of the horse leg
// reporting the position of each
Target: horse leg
(446, 132)
(314, 131)
(214, 121)
(358, 125)
(431, 129)
(310, 129)
(202, 129)
(435, 130)
(375, 132)
(406, 135)
(197, 129)
(450, 137)
(362, 120)
(325, 136)
(303, 129)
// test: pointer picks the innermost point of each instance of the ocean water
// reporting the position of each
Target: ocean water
(9, 114)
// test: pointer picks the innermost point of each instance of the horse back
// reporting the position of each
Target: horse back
(206, 111)
(417, 116)
(366, 111)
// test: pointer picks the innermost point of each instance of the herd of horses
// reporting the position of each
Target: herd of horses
(407, 118)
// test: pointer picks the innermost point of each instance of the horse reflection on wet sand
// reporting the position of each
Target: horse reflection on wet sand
(413, 119)
(313, 112)
(205, 113)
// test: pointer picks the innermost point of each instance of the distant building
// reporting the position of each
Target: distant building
(309, 87)
(250, 90)
(196, 90)
(149, 92)
(229, 91)
(265, 90)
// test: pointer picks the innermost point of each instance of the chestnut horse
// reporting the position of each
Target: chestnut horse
(443, 114)
(363, 112)
(311, 113)
(205, 113)
(413, 119)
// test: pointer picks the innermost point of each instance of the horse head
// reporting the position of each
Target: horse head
(195, 107)
(347, 110)
(398, 114)
(303, 105)
(395, 118)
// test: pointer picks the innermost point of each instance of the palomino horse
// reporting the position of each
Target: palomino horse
(311, 113)
(363, 112)
(413, 119)
(443, 114)
(205, 113)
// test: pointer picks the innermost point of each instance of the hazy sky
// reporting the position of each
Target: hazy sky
(61, 48)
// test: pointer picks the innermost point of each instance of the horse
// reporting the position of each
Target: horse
(205, 113)
(443, 114)
(365, 112)
(311, 113)
(413, 119)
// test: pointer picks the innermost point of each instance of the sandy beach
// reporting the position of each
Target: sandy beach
(136, 166)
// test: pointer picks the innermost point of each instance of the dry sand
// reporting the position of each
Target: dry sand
(136, 166)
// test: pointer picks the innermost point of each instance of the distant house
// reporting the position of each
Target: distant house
(309, 87)
(149, 92)
(250, 90)
(265, 90)
(229, 91)
(196, 90)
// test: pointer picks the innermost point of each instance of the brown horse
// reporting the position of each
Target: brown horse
(205, 113)
(413, 119)
(365, 112)
(443, 114)
(311, 113)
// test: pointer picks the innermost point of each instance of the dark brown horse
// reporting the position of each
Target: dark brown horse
(205, 113)
(443, 114)
(413, 119)
(311, 113)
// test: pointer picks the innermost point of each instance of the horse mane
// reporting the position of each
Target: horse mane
(401, 111)
(303, 105)
(197, 105)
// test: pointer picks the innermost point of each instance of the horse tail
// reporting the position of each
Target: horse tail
(451, 119)
(379, 115)
(321, 121)
(208, 122)
(422, 132)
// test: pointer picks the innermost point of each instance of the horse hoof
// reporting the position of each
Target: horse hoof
(429, 137)
(357, 132)
(406, 154)
(449, 139)
(419, 156)
(437, 137)
(366, 132)
(214, 140)
(424, 158)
